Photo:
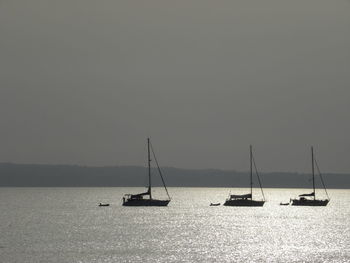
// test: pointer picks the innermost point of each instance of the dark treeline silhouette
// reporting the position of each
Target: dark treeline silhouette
(37, 175)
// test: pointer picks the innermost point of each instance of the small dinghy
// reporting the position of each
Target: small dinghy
(284, 203)
(214, 204)
(101, 204)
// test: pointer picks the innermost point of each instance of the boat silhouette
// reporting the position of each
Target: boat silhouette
(146, 199)
(247, 199)
(310, 199)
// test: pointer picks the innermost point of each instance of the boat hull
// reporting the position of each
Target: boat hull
(145, 202)
(307, 202)
(238, 202)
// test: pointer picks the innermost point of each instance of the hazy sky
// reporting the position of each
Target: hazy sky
(85, 82)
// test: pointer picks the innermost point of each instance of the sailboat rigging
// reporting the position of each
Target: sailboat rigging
(139, 199)
(247, 199)
(306, 199)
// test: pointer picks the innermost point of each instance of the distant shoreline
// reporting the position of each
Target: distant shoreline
(43, 175)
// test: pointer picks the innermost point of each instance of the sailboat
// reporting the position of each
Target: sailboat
(146, 199)
(247, 199)
(310, 199)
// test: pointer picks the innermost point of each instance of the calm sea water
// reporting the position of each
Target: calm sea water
(66, 225)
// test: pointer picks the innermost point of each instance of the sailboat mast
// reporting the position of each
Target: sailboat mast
(149, 171)
(313, 171)
(251, 172)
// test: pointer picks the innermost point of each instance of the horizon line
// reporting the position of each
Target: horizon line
(166, 167)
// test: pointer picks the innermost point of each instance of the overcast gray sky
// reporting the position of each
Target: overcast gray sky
(85, 82)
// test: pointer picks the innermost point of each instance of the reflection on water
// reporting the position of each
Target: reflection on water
(66, 225)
